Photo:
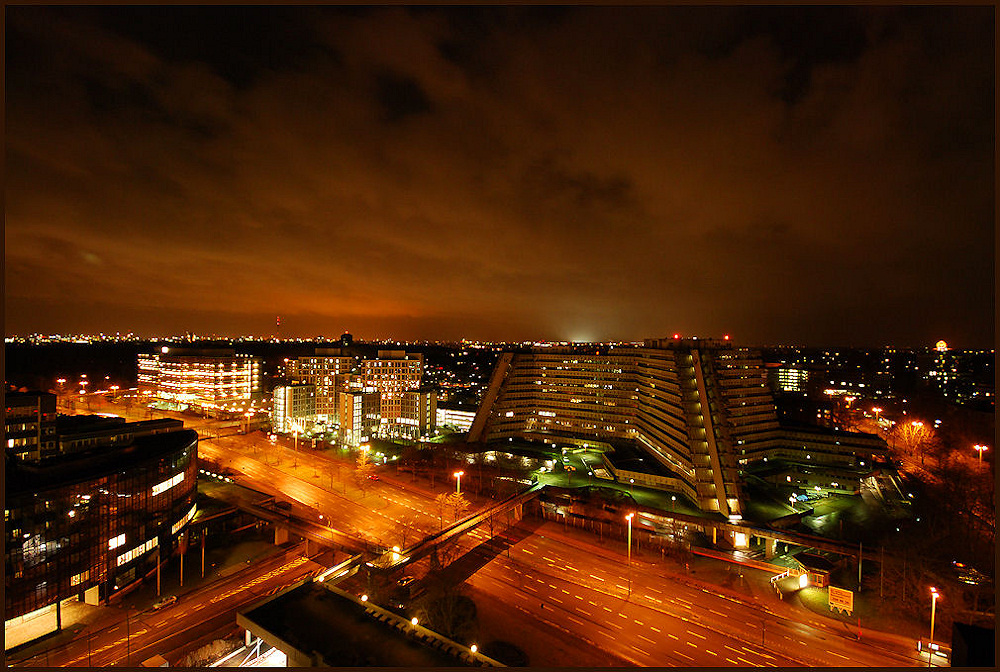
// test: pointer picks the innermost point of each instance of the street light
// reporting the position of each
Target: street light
(629, 519)
(876, 410)
(458, 481)
(934, 598)
(979, 448)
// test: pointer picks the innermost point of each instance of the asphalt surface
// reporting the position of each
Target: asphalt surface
(133, 636)
(579, 589)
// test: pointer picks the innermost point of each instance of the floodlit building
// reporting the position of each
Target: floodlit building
(294, 408)
(392, 373)
(326, 370)
(454, 415)
(359, 415)
(698, 411)
(215, 381)
(418, 414)
(87, 523)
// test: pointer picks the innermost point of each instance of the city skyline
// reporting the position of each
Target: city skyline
(785, 175)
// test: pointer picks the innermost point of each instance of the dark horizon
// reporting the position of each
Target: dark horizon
(811, 175)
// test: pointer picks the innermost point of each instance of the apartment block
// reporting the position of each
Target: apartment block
(697, 410)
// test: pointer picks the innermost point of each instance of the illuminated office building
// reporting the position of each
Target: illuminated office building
(85, 524)
(454, 415)
(294, 408)
(392, 373)
(418, 414)
(359, 415)
(326, 370)
(213, 380)
(699, 411)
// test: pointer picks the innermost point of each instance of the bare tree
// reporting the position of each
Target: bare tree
(363, 471)
(442, 502)
(458, 504)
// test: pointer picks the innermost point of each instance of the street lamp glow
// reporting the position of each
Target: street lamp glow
(934, 598)
(364, 598)
(980, 449)
(458, 481)
(414, 620)
(629, 519)
(473, 648)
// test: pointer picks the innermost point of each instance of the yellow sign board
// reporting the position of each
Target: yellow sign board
(841, 600)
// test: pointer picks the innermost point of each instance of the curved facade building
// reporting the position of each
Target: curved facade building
(700, 409)
(87, 524)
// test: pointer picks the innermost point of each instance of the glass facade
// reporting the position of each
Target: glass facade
(94, 520)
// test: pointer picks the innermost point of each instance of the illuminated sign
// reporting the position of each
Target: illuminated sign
(841, 600)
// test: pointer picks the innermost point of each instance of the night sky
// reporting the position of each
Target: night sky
(818, 176)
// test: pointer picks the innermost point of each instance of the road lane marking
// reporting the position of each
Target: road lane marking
(577, 621)
(673, 636)
(692, 645)
(684, 656)
(696, 634)
(594, 576)
(647, 639)
(712, 652)
(654, 628)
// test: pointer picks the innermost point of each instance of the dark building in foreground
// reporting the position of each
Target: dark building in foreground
(29, 425)
(699, 412)
(88, 521)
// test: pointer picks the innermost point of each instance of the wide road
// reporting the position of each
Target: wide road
(663, 621)
(138, 636)
(382, 513)
(585, 591)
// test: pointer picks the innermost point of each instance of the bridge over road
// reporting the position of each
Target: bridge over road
(390, 560)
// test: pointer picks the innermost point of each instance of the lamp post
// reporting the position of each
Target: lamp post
(934, 598)
(980, 450)
(629, 519)
(458, 481)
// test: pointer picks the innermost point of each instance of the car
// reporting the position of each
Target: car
(373, 477)
(165, 602)
(405, 581)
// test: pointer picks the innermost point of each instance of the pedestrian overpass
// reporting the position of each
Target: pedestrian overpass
(509, 511)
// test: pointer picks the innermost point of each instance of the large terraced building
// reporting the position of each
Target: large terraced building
(699, 411)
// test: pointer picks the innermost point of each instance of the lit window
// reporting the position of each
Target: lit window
(117, 541)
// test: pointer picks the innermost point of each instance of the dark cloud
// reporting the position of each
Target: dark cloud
(820, 174)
